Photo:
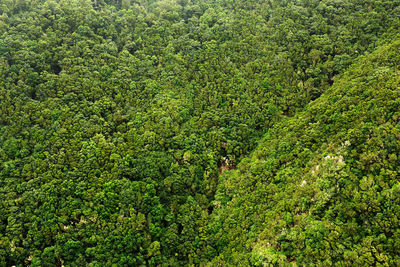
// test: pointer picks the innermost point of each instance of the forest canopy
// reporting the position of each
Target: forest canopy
(188, 132)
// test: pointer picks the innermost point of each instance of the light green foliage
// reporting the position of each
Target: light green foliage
(320, 188)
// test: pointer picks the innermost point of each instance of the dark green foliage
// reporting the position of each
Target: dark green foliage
(120, 121)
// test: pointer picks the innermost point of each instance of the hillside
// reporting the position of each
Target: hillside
(188, 132)
(322, 187)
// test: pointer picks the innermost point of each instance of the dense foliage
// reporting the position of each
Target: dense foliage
(199, 132)
(322, 187)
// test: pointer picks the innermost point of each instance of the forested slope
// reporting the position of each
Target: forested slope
(120, 119)
(322, 187)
